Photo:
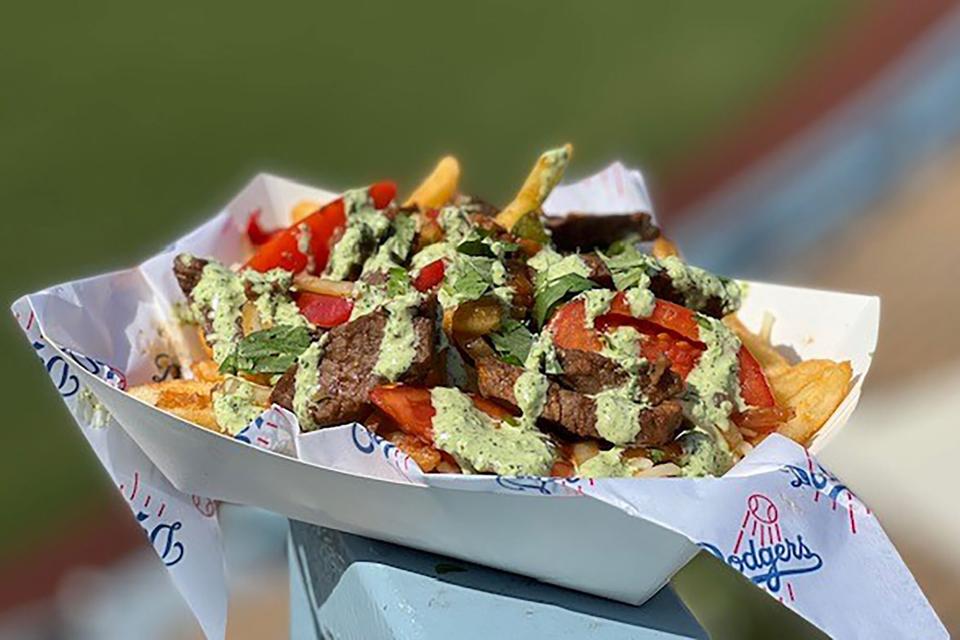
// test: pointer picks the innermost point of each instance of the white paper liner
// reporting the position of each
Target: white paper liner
(779, 517)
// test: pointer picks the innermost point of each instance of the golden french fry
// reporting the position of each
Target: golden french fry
(765, 353)
(207, 349)
(302, 209)
(544, 176)
(663, 247)
(426, 457)
(206, 371)
(813, 390)
(439, 187)
(314, 284)
(187, 399)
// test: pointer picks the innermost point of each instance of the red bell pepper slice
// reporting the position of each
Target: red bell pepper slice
(412, 408)
(283, 248)
(324, 311)
(430, 276)
(673, 332)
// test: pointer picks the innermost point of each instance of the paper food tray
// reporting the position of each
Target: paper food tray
(618, 538)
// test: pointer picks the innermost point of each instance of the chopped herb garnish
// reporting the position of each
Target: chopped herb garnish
(268, 351)
(512, 341)
(555, 292)
(476, 248)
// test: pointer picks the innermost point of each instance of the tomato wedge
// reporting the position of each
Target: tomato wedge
(672, 331)
(255, 232)
(324, 311)
(412, 408)
(283, 248)
(430, 276)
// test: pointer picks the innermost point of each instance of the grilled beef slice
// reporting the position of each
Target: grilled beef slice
(188, 271)
(346, 374)
(591, 373)
(660, 284)
(576, 412)
(586, 232)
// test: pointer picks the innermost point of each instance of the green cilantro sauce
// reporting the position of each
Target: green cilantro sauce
(713, 387)
(631, 267)
(399, 344)
(543, 355)
(699, 285)
(555, 163)
(273, 301)
(596, 302)
(608, 464)
(219, 296)
(365, 226)
(304, 247)
(622, 345)
(394, 251)
(234, 404)
(530, 390)
(641, 300)
(307, 380)
(618, 416)
(480, 444)
(703, 456)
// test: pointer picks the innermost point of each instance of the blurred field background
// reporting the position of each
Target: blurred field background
(122, 126)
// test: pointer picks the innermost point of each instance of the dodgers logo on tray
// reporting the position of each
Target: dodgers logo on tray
(768, 556)
(161, 532)
(547, 486)
(815, 479)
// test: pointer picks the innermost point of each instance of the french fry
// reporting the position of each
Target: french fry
(302, 209)
(813, 389)
(663, 247)
(206, 371)
(544, 176)
(426, 457)
(207, 349)
(439, 187)
(187, 399)
(765, 353)
(313, 284)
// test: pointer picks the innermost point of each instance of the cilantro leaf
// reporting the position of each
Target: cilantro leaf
(268, 351)
(512, 341)
(627, 242)
(556, 291)
(468, 278)
(476, 248)
(630, 267)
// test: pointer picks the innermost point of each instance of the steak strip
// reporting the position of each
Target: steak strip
(591, 373)
(575, 412)
(346, 371)
(586, 232)
(660, 284)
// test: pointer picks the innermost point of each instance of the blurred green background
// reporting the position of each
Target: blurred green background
(124, 124)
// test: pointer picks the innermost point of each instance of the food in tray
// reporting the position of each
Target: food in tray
(487, 340)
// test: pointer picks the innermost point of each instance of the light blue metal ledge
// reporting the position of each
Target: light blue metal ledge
(348, 587)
